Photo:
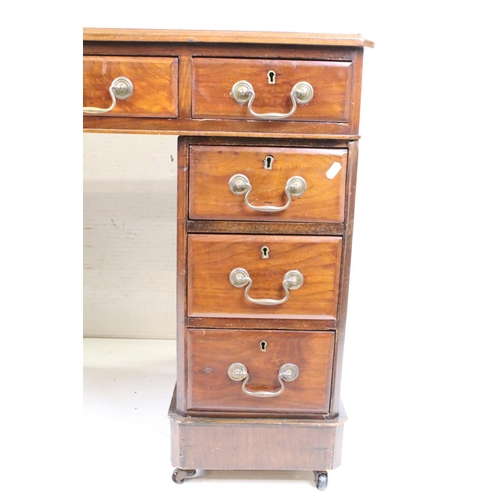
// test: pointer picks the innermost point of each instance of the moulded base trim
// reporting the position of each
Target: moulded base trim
(255, 443)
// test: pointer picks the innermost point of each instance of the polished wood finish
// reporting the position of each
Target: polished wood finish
(211, 352)
(186, 124)
(211, 168)
(212, 257)
(282, 323)
(216, 128)
(345, 274)
(213, 79)
(256, 443)
(215, 425)
(155, 83)
(243, 227)
(181, 298)
(233, 37)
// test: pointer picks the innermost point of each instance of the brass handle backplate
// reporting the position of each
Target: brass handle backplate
(292, 280)
(120, 88)
(239, 184)
(287, 372)
(243, 92)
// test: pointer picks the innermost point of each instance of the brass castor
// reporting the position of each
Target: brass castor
(321, 480)
(180, 475)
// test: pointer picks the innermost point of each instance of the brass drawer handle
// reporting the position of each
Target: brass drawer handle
(287, 372)
(292, 280)
(243, 92)
(295, 186)
(121, 88)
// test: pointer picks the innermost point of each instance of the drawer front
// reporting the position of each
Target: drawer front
(262, 353)
(270, 172)
(267, 259)
(213, 81)
(154, 79)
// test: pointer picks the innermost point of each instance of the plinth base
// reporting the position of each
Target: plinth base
(210, 443)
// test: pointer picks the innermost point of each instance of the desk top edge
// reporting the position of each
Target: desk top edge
(215, 36)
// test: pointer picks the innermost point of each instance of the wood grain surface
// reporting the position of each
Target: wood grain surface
(218, 36)
(134, 44)
(212, 257)
(211, 167)
(155, 83)
(187, 77)
(213, 79)
(257, 443)
(211, 352)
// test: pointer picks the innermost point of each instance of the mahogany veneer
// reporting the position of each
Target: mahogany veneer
(211, 258)
(259, 357)
(211, 167)
(210, 352)
(155, 82)
(214, 78)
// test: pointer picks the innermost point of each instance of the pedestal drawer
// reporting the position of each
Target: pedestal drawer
(239, 371)
(272, 82)
(153, 82)
(263, 276)
(279, 183)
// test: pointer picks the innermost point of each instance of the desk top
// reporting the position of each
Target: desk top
(251, 37)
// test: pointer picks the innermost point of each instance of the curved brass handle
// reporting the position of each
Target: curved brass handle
(120, 88)
(287, 372)
(295, 186)
(292, 280)
(243, 92)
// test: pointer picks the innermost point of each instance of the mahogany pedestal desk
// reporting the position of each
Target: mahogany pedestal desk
(267, 157)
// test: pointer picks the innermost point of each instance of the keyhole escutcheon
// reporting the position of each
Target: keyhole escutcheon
(271, 77)
(268, 162)
(264, 252)
(263, 346)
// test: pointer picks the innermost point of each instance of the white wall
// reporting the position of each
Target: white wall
(129, 235)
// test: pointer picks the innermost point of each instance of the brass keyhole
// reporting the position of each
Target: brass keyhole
(263, 346)
(264, 252)
(271, 77)
(268, 162)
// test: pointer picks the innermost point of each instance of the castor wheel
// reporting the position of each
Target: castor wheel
(180, 475)
(321, 479)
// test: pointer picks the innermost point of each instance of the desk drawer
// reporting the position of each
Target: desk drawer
(331, 81)
(154, 80)
(216, 261)
(270, 172)
(262, 353)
